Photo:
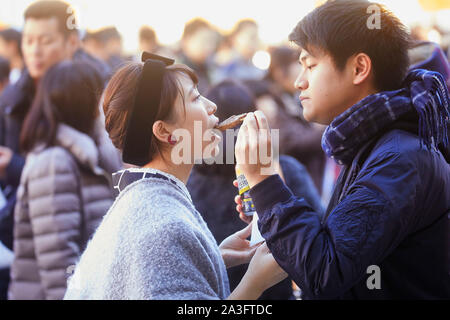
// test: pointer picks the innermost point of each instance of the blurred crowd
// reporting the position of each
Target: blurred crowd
(42, 97)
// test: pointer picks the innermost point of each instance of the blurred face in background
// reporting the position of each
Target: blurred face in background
(199, 46)
(8, 49)
(286, 77)
(246, 42)
(43, 45)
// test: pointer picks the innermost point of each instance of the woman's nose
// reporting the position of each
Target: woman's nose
(211, 108)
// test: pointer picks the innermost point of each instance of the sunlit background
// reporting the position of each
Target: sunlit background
(167, 18)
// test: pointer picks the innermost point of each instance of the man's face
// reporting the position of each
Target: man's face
(326, 92)
(43, 45)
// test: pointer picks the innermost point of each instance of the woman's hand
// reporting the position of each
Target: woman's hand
(262, 273)
(236, 249)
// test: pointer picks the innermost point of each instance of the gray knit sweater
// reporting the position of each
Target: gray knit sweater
(152, 244)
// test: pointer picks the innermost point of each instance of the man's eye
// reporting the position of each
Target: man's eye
(310, 67)
(197, 97)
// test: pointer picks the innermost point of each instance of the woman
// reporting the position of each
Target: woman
(65, 187)
(153, 243)
(216, 181)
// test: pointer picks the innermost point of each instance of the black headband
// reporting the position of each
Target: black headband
(138, 136)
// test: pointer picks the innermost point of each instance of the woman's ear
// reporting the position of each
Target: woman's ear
(161, 131)
(362, 68)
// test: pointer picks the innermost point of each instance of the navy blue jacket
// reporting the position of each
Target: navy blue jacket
(391, 208)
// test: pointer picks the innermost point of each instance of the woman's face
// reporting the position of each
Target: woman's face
(194, 124)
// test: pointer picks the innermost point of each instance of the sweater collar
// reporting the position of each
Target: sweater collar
(173, 179)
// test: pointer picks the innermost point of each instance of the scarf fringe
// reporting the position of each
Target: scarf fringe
(434, 116)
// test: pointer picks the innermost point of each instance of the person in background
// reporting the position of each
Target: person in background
(65, 188)
(198, 45)
(10, 48)
(148, 41)
(4, 73)
(428, 55)
(105, 44)
(212, 192)
(244, 41)
(6, 204)
(46, 40)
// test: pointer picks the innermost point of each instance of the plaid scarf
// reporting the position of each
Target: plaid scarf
(424, 91)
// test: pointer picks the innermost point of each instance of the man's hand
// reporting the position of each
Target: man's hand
(6, 155)
(238, 200)
(254, 149)
(236, 249)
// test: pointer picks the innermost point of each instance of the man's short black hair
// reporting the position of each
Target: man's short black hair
(340, 28)
(46, 9)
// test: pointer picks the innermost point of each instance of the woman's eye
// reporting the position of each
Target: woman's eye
(310, 67)
(197, 97)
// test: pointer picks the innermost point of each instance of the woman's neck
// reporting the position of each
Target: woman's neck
(181, 172)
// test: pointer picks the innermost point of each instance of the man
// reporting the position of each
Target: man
(385, 234)
(10, 40)
(46, 40)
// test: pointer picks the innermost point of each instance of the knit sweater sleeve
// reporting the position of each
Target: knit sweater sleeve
(175, 263)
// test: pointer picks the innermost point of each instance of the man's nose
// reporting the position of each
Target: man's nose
(301, 83)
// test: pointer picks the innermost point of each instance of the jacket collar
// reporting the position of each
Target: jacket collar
(89, 152)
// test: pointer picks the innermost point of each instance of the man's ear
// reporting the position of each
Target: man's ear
(161, 131)
(362, 68)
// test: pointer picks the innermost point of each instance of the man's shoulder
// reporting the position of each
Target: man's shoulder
(399, 142)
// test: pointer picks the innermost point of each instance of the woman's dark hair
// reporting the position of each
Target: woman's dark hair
(231, 98)
(69, 93)
(340, 28)
(120, 94)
